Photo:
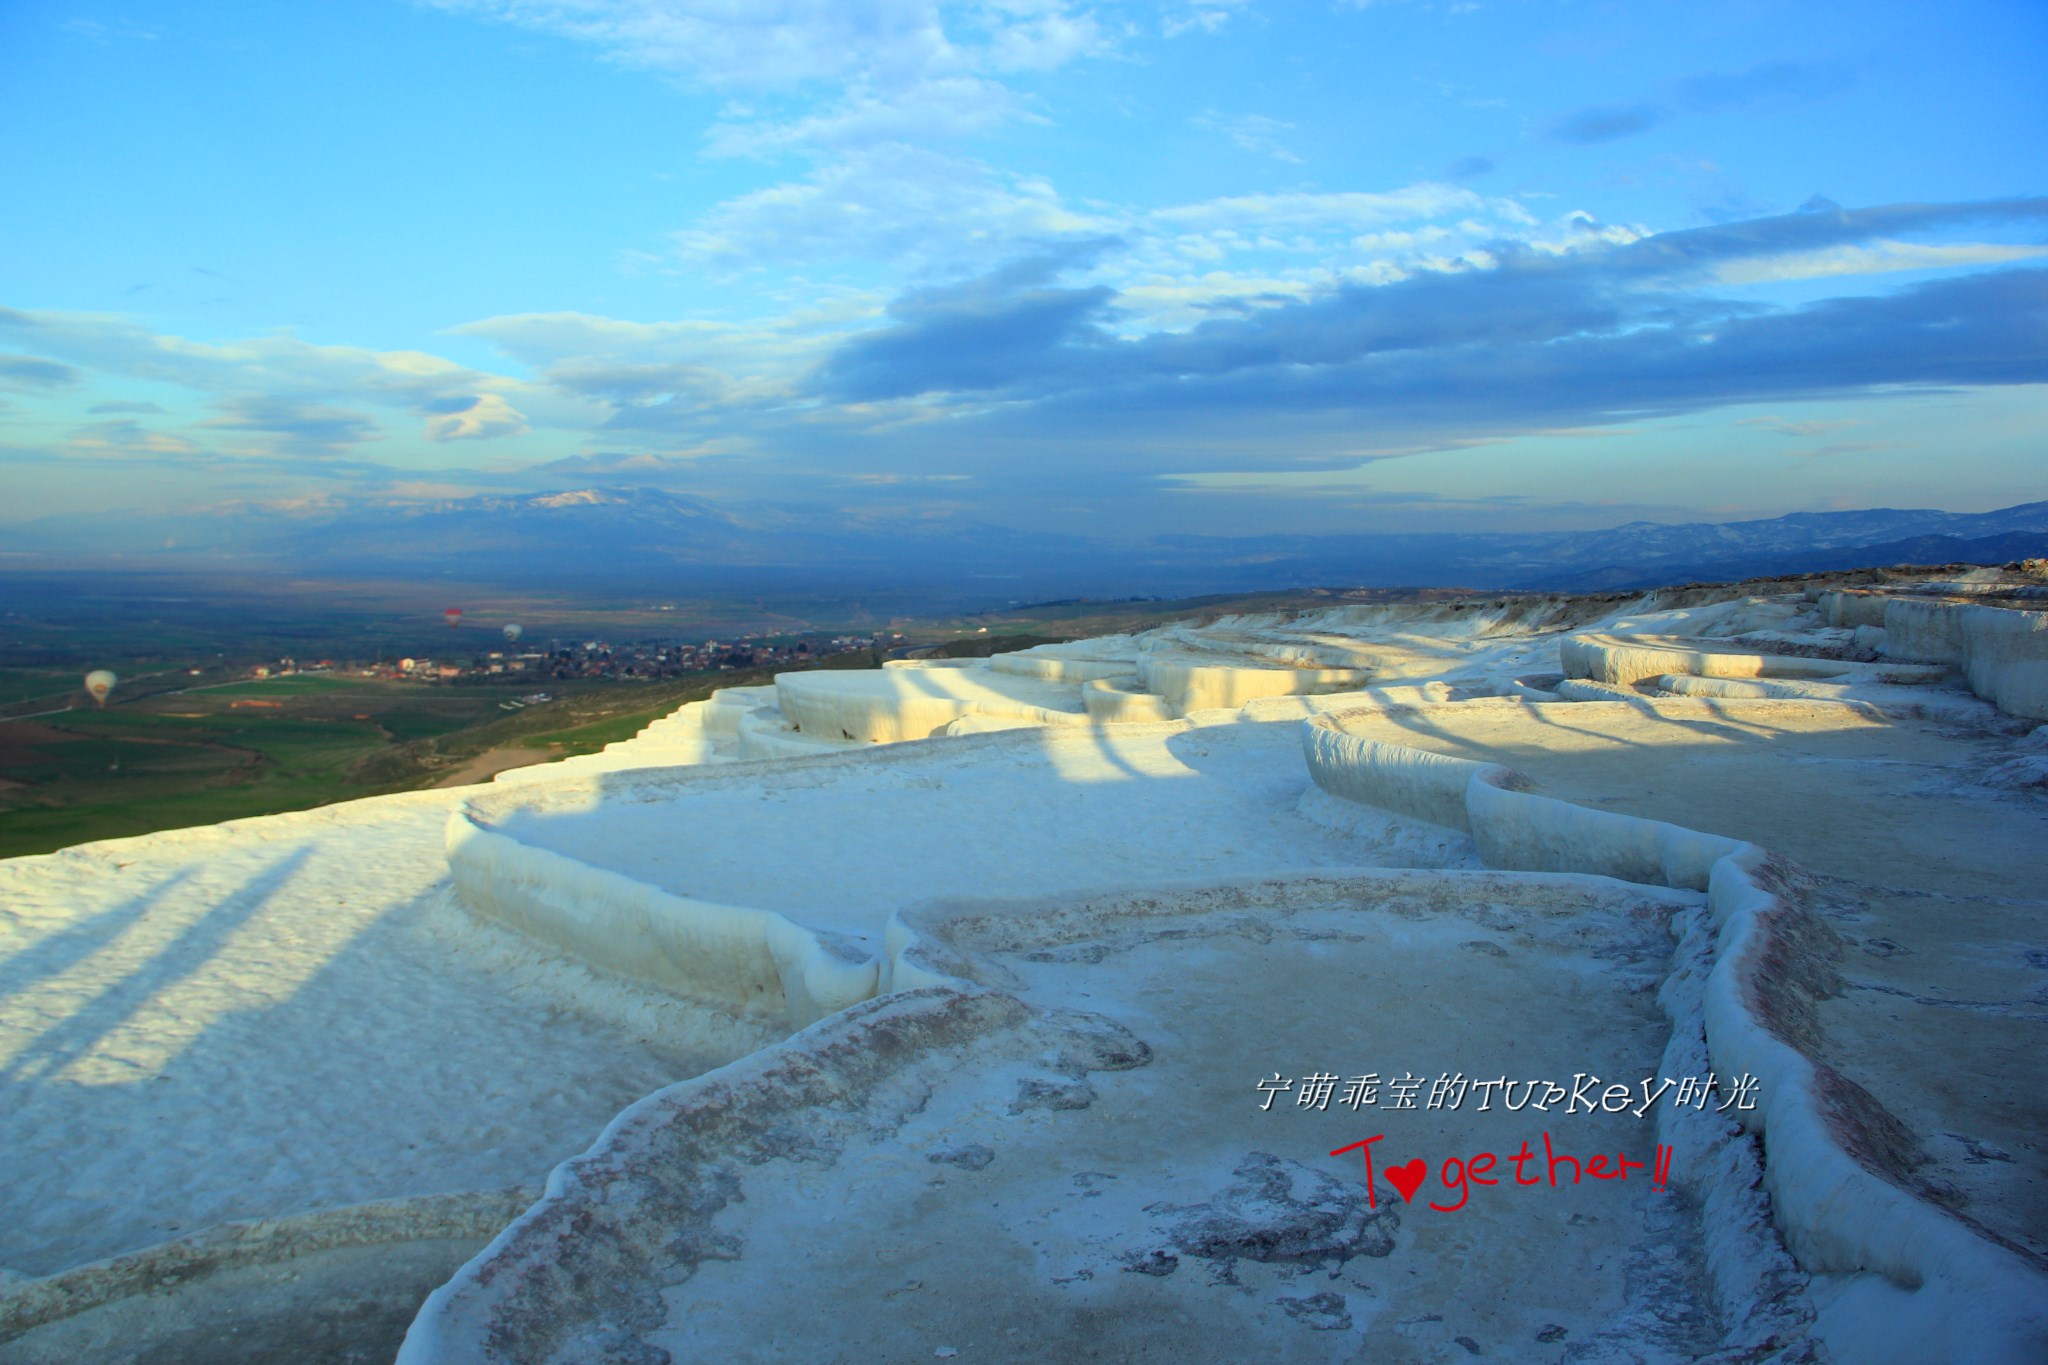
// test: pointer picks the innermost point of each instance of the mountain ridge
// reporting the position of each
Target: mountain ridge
(624, 534)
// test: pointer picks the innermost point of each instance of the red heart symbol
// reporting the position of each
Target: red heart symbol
(1408, 1179)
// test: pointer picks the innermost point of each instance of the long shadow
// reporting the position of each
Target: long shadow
(1098, 733)
(196, 945)
(1725, 726)
(58, 953)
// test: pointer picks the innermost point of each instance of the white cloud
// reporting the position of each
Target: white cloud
(955, 107)
(760, 45)
(1180, 260)
(1878, 258)
(1401, 239)
(1254, 133)
(277, 426)
(903, 216)
(1201, 16)
(1157, 302)
(650, 378)
(636, 361)
(910, 207)
(126, 440)
(1354, 210)
(895, 68)
(1581, 231)
(1039, 35)
(487, 415)
(277, 395)
(275, 364)
(906, 214)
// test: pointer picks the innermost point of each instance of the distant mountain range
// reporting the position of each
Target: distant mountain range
(645, 538)
(1639, 554)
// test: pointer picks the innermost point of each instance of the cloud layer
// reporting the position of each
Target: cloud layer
(1562, 326)
(981, 257)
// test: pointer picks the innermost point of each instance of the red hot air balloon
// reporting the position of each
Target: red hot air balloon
(454, 615)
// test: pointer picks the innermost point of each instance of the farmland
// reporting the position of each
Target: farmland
(254, 748)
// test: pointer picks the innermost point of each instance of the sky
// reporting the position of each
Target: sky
(1115, 269)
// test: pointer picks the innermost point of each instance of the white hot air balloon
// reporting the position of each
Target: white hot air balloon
(514, 631)
(100, 682)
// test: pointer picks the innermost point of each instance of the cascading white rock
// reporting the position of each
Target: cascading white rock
(890, 705)
(1920, 1285)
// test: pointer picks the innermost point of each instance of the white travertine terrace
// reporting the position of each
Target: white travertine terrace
(1623, 660)
(1969, 1296)
(1034, 961)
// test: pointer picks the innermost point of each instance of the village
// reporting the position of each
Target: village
(649, 660)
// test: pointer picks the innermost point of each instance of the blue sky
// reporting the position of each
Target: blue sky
(1116, 268)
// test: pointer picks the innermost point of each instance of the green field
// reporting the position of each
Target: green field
(259, 747)
(300, 685)
(198, 758)
(26, 684)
